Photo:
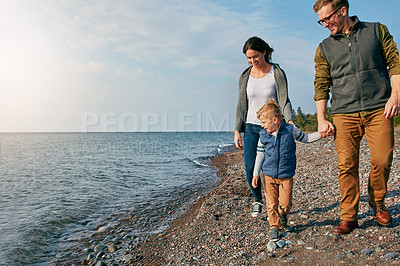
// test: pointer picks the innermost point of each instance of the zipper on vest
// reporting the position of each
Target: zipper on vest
(355, 69)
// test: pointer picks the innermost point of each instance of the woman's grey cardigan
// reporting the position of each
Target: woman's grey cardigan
(281, 86)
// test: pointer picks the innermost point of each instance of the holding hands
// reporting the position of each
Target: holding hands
(325, 129)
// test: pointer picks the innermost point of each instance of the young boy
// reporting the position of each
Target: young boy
(276, 155)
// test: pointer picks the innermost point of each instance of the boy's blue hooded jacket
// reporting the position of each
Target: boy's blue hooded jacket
(280, 152)
(276, 156)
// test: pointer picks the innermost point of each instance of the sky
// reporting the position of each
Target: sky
(155, 65)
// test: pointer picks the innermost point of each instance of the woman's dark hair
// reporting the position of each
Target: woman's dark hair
(258, 44)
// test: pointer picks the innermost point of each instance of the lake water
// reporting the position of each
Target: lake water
(58, 188)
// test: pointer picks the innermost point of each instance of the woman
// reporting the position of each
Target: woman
(257, 84)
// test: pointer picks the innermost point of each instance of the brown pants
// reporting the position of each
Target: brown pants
(278, 194)
(379, 134)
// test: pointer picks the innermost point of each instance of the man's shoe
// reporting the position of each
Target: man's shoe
(256, 210)
(382, 214)
(283, 220)
(345, 227)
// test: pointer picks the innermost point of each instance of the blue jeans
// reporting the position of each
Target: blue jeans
(251, 136)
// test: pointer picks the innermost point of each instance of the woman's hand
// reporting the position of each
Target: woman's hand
(255, 180)
(238, 140)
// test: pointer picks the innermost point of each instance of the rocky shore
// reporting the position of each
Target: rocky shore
(219, 230)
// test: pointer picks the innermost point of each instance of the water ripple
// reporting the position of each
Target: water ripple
(59, 188)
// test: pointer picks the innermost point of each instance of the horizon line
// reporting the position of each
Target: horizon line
(108, 132)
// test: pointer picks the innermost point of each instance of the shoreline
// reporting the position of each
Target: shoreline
(217, 228)
(123, 236)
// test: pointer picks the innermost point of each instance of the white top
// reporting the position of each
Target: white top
(258, 93)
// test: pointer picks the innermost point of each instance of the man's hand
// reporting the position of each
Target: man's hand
(325, 128)
(392, 107)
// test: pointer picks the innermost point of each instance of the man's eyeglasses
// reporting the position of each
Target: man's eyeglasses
(328, 18)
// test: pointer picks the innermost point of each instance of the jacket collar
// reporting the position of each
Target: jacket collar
(353, 27)
(280, 128)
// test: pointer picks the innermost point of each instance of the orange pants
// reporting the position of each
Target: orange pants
(279, 195)
(380, 138)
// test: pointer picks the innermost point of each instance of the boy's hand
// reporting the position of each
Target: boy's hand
(255, 180)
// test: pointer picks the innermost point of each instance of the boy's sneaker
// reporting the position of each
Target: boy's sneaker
(274, 234)
(283, 220)
(256, 210)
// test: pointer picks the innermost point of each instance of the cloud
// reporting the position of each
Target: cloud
(178, 33)
(91, 67)
(155, 44)
(132, 56)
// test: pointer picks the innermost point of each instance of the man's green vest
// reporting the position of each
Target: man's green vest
(360, 79)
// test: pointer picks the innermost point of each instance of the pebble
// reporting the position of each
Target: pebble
(390, 255)
(289, 244)
(339, 257)
(301, 242)
(262, 255)
(128, 258)
(87, 250)
(102, 229)
(281, 243)
(100, 255)
(99, 248)
(271, 246)
(378, 248)
(112, 248)
(366, 251)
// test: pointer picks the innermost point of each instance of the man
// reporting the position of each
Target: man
(356, 64)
